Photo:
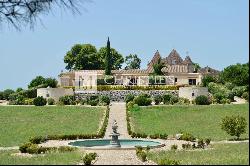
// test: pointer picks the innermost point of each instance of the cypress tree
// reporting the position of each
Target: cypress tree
(108, 64)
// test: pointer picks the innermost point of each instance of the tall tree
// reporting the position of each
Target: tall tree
(158, 67)
(25, 12)
(133, 62)
(82, 57)
(237, 74)
(108, 61)
(116, 58)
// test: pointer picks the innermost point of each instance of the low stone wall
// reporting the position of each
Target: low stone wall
(119, 95)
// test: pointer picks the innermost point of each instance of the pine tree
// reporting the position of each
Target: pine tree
(108, 64)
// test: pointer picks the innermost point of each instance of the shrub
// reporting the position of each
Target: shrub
(225, 101)
(93, 100)
(186, 146)
(168, 162)
(157, 99)
(207, 79)
(105, 100)
(138, 149)
(51, 101)
(39, 101)
(187, 137)
(87, 158)
(174, 99)
(174, 147)
(207, 141)
(1, 96)
(23, 148)
(239, 90)
(202, 100)
(7, 93)
(163, 136)
(67, 100)
(130, 105)
(142, 100)
(129, 97)
(245, 96)
(183, 100)
(234, 125)
(166, 98)
(66, 149)
(33, 149)
(142, 156)
(37, 140)
(201, 143)
(28, 101)
(83, 101)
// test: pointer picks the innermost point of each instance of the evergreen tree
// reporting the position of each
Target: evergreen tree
(108, 64)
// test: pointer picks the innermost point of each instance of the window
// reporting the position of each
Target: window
(174, 62)
(175, 79)
(192, 81)
(193, 94)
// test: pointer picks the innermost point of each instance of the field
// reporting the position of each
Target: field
(220, 154)
(201, 121)
(67, 158)
(19, 123)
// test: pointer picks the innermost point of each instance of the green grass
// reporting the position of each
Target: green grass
(201, 121)
(221, 154)
(19, 123)
(54, 158)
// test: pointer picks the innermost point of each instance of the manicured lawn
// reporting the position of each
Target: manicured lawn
(201, 121)
(19, 123)
(221, 154)
(67, 158)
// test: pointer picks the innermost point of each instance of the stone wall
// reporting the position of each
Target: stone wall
(119, 95)
(192, 92)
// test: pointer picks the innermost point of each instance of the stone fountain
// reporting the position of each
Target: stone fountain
(114, 136)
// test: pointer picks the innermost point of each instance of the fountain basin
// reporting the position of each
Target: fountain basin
(105, 143)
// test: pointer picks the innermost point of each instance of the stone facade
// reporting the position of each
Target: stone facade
(192, 92)
(119, 95)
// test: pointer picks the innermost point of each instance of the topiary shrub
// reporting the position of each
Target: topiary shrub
(51, 101)
(143, 100)
(166, 98)
(129, 97)
(234, 125)
(104, 100)
(157, 99)
(202, 100)
(39, 101)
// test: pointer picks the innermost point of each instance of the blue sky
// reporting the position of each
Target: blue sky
(214, 32)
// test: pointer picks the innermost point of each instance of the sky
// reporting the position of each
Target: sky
(213, 33)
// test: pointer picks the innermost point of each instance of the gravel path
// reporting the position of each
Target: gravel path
(118, 113)
(118, 157)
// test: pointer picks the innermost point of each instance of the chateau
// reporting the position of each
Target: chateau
(176, 72)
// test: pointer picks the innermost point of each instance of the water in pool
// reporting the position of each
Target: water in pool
(123, 142)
